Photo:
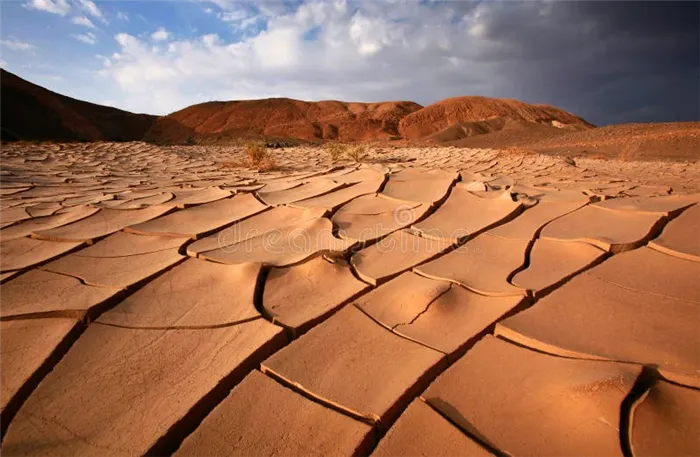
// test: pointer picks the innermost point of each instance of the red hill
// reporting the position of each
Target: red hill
(453, 113)
(30, 112)
(284, 118)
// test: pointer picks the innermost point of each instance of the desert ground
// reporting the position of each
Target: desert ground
(164, 300)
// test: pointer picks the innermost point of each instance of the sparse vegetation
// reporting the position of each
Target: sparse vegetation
(256, 156)
(335, 151)
(255, 151)
(358, 153)
(267, 164)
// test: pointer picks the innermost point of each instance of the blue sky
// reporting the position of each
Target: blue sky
(609, 62)
(64, 47)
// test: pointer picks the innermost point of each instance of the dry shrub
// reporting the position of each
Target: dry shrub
(256, 156)
(335, 151)
(255, 151)
(358, 153)
(266, 164)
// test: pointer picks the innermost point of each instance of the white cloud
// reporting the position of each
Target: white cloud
(126, 41)
(370, 35)
(160, 35)
(241, 19)
(353, 55)
(84, 21)
(477, 30)
(208, 10)
(209, 40)
(233, 16)
(50, 6)
(243, 16)
(371, 51)
(224, 4)
(122, 16)
(91, 8)
(87, 38)
(343, 62)
(17, 45)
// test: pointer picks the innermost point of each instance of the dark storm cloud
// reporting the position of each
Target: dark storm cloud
(609, 62)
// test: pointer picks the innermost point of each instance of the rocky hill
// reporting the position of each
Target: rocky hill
(283, 118)
(30, 112)
(450, 115)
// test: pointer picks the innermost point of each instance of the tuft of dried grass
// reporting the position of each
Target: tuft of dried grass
(266, 164)
(257, 156)
(335, 151)
(255, 151)
(358, 153)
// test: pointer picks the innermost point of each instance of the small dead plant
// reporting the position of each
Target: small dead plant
(258, 156)
(358, 153)
(335, 151)
(266, 164)
(255, 151)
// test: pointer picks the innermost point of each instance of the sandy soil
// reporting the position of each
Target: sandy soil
(431, 300)
(628, 142)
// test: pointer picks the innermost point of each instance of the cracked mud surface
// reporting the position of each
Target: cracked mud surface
(433, 302)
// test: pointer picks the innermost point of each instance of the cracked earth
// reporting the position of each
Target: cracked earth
(436, 301)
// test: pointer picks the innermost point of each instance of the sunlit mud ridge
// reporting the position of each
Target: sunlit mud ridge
(431, 301)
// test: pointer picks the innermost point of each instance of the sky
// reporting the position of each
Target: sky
(609, 62)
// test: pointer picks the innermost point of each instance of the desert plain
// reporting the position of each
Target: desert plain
(157, 300)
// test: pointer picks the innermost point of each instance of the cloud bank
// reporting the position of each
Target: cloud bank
(606, 61)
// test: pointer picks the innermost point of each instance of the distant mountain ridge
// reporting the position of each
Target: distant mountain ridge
(30, 112)
(452, 112)
(285, 118)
